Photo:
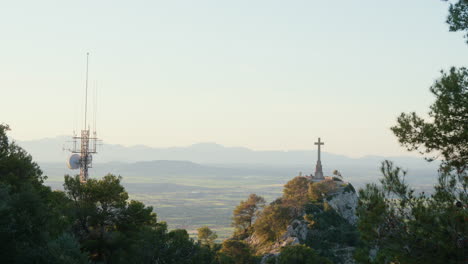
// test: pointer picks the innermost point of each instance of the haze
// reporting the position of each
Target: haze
(267, 75)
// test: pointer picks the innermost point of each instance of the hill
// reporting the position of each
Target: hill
(50, 150)
(319, 215)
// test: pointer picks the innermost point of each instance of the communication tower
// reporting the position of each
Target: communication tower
(85, 144)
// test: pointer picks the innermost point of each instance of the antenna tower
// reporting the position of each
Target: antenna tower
(82, 157)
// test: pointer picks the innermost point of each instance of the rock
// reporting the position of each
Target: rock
(297, 229)
(344, 201)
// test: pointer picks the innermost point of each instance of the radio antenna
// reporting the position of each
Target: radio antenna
(95, 107)
(86, 90)
(81, 157)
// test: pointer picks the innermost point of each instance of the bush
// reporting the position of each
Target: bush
(300, 254)
(272, 222)
(235, 252)
(318, 190)
(329, 230)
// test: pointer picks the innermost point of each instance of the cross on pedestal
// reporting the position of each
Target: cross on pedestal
(319, 143)
(318, 167)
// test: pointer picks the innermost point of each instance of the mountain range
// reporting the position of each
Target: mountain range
(210, 159)
(52, 150)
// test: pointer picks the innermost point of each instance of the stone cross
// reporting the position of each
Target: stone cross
(319, 143)
(318, 167)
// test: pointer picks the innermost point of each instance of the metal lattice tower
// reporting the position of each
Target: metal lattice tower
(87, 143)
(87, 147)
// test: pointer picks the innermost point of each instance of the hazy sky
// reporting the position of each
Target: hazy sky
(259, 74)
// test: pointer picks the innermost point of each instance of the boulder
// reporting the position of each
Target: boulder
(344, 201)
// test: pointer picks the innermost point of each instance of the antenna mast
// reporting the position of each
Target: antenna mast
(86, 90)
(84, 160)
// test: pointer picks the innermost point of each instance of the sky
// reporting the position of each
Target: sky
(267, 75)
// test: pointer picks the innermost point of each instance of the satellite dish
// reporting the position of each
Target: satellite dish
(74, 161)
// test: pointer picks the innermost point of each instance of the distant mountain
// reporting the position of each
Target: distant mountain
(186, 173)
(163, 169)
(214, 160)
(51, 150)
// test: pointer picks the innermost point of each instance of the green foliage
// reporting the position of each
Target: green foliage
(300, 254)
(31, 215)
(447, 134)
(458, 17)
(429, 228)
(272, 222)
(180, 248)
(319, 190)
(206, 236)
(105, 221)
(447, 131)
(296, 189)
(113, 229)
(295, 194)
(328, 230)
(88, 222)
(235, 252)
(65, 250)
(398, 226)
(391, 217)
(245, 214)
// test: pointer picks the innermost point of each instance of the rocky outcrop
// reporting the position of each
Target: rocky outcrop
(344, 201)
(296, 233)
(297, 229)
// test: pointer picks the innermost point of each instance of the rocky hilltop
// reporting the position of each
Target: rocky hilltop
(318, 214)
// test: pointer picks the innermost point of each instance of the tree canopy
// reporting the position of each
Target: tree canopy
(33, 224)
(429, 228)
(93, 222)
(295, 193)
(235, 252)
(458, 17)
(206, 236)
(245, 214)
(446, 132)
(300, 254)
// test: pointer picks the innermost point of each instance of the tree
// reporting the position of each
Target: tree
(318, 190)
(65, 250)
(206, 236)
(327, 231)
(30, 213)
(295, 194)
(235, 252)
(392, 218)
(181, 249)
(447, 131)
(114, 230)
(245, 214)
(272, 222)
(458, 17)
(88, 222)
(395, 223)
(108, 225)
(430, 228)
(300, 254)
